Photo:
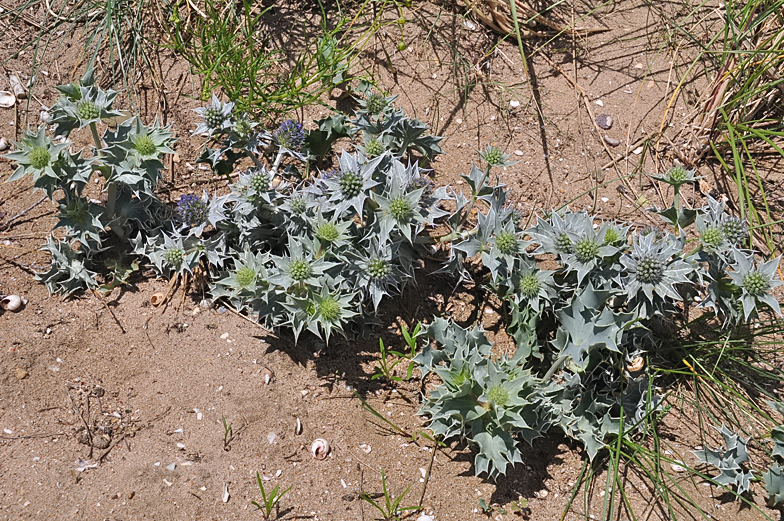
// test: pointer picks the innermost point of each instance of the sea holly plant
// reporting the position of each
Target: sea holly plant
(731, 460)
(129, 158)
(317, 251)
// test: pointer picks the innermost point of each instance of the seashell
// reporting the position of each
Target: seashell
(12, 302)
(636, 365)
(7, 99)
(157, 299)
(611, 141)
(319, 448)
(3, 144)
(298, 428)
(16, 86)
(605, 121)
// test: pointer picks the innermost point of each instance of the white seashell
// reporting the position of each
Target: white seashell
(225, 496)
(7, 99)
(157, 299)
(319, 448)
(3, 144)
(12, 302)
(298, 428)
(366, 448)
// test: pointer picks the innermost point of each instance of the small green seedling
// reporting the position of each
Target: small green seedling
(269, 502)
(390, 509)
(228, 433)
(385, 369)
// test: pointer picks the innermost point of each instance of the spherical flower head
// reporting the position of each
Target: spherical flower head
(735, 230)
(650, 270)
(300, 270)
(712, 239)
(214, 117)
(144, 145)
(755, 284)
(400, 209)
(246, 276)
(40, 158)
(564, 244)
(298, 205)
(329, 308)
(259, 182)
(586, 250)
(327, 232)
(374, 148)
(243, 128)
(530, 285)
(493, 156)
(87, 110)
(678, 174)
(174, 256)
(498, 395)
(376, 104)
(350, 184)
(506, 242)
(290, 134)
(192, 210)
(378, 269)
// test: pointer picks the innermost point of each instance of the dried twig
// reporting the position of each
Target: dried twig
(7, 223)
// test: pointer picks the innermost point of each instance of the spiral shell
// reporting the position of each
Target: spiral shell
(12, 302)
(319, 448)
(636, 365)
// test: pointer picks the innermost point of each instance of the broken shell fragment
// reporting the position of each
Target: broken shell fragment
(7, 99)
(157, 299)
(319, 448)
(12, 302)
(3, 144)
(636, 365)
(16, 86)
(605, 121)
(611, 141)
(298, 428)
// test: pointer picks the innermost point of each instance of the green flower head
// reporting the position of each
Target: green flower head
(36, 155)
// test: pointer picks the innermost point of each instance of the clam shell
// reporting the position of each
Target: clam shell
(319, 448)
(12, 302)
(7, 99)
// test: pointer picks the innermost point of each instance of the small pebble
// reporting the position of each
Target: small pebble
(605, 199)
(514, 103)
(611, 141)
(599, 102)
(20, 373)
(637, 151)
(605, 121)
(171, 467)
(518, 152)
(678, 468)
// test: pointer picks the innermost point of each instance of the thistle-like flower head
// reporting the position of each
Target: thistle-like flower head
(755, 282)
(290, 135)
(653, 269)
(36, 155)
(215, 117)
